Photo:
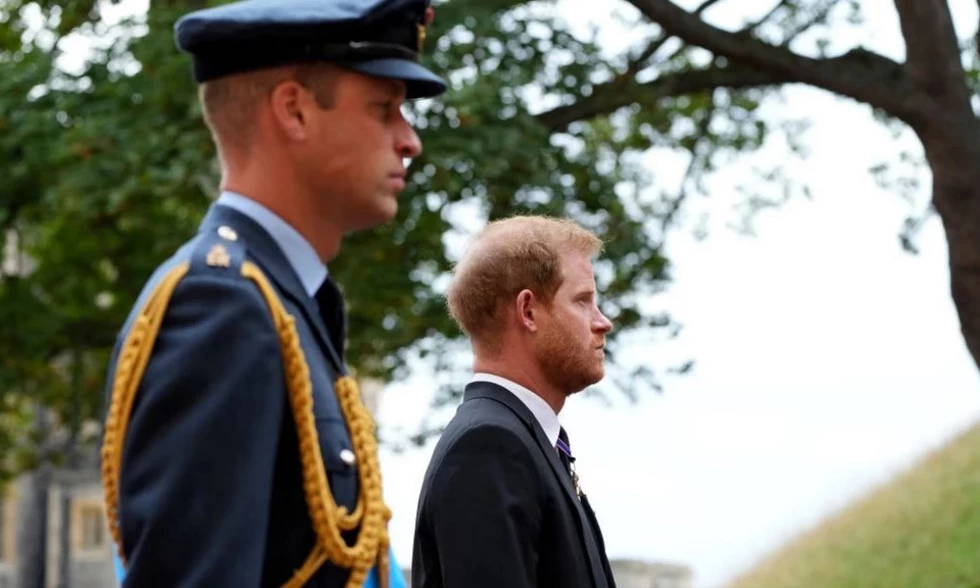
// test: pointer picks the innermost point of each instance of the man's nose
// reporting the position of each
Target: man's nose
(603, 324)
(408, 144)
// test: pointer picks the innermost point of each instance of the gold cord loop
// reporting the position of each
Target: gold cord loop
(329, 520)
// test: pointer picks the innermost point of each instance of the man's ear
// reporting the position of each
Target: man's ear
(290, 103)
(526, 305)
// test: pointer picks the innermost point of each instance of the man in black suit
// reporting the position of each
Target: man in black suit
(501, 506)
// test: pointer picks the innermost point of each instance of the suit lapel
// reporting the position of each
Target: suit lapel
(502, 395)
(598, 537)
(263, 249)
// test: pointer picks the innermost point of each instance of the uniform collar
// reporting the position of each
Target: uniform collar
(298, 251)
(542, 412)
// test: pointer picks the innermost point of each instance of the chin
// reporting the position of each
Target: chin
(584, 382)
(596, 377)
(387, 209)
(381, 215)
(390, 213)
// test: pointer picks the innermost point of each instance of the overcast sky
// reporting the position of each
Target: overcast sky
(828, 359)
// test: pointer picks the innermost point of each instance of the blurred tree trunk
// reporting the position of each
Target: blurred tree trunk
(33, 523)
(64, 537)
(71, 462)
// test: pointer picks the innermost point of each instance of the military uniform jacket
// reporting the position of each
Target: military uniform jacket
(210, 491)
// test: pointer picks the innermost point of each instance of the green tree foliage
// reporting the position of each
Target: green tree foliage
(107, 166)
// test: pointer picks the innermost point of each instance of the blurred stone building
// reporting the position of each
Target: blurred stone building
(631, 573)
(89, 544)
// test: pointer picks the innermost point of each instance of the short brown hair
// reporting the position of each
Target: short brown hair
(510, 255)
(231, 104)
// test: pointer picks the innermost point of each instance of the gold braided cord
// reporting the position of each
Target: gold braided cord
(133, 357)
(329, 520)
(309, 567)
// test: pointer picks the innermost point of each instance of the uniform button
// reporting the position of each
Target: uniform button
(227, 233)
(347, 456)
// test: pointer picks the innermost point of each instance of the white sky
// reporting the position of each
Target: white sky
(827, 359)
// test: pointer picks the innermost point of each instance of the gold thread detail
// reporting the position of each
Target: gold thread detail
(329, 520)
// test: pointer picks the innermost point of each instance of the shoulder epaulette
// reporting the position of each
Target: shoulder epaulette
(218, 250)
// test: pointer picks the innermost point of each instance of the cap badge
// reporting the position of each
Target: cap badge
(429, 15)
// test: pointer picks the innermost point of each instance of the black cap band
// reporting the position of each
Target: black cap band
(227, 60)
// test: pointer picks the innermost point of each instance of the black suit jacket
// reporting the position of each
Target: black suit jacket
(211, 490)
(498, 509)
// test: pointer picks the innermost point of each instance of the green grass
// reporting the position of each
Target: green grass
(919, 530)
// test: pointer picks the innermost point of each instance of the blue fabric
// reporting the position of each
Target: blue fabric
(120, 571)
(247, 35)
(297, 250)
(395, 577)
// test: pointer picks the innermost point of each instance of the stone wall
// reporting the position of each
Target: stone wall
(631, 573)
(7, 577)
(90, 561)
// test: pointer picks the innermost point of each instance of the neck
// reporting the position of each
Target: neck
(524, 374)
(284, 195)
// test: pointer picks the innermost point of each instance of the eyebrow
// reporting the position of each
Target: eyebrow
(393, 90)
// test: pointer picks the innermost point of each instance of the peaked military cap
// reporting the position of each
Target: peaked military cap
(375, 37)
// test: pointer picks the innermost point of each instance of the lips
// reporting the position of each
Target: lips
(398, 180)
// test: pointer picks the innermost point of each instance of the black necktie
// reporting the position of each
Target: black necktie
(330, 303)
(565, 450)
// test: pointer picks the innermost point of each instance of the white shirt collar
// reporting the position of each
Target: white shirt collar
(544, 414)
(298, 251)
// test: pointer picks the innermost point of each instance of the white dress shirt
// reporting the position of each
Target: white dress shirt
(545, 416)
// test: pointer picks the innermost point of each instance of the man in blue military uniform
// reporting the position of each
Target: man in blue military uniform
(237, 451)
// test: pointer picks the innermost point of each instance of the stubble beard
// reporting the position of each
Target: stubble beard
(568, 364)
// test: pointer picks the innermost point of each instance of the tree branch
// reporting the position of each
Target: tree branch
(640, 60)
(932, 53)
(607, 98)
(862, 75)
(703, 132)
(764, 18)
(818, 15)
